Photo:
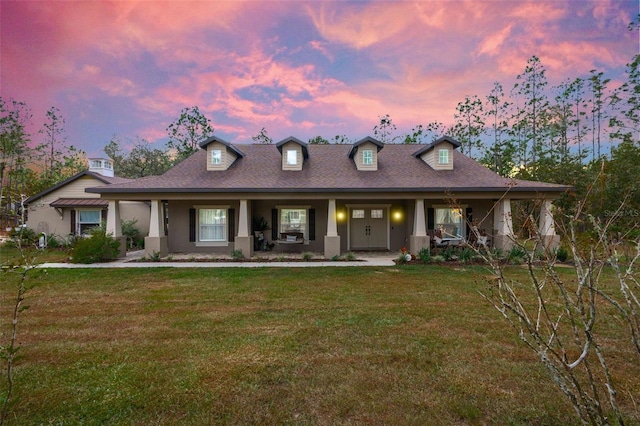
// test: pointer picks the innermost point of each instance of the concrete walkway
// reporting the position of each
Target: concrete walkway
(133, 261)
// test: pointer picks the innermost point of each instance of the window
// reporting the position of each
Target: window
(367, 157)
(292, 157)
(377, 214)
(212, 224)
(96, 164)
(357, 214)
(107, 165)
(293, 220)
(450, 222)
(216, 156)
(443, 156)
(88, 219)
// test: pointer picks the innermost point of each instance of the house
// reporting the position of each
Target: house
(325, 198)
(66, 209)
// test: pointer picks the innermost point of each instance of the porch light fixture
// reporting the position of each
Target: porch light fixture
(340, 216)
(397, 215)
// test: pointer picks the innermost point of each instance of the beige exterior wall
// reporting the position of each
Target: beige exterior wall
(299, 159)
(228, 157)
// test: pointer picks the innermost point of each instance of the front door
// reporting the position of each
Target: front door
(369, 228)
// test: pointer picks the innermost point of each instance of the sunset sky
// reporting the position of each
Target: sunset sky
(296, 68)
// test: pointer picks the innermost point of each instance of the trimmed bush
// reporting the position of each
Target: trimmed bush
(99, 247)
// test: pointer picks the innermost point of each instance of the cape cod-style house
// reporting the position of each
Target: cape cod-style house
(324, 198)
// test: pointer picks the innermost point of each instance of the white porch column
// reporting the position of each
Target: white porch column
(243, 240)
(332, 223)
(114, 226)
(243, 225)
(156, 241)
(332, 239)
(547, 226)
(503, 225)
(155, 221)
(419, 239)
(419, 221)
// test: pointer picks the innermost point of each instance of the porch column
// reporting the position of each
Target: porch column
(419, 239)
(244, 241)
(156, 242)
(332, 239)
(503, 236)
(114, 226)
(547, 227)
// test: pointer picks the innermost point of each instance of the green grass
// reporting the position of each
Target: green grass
(408, 345)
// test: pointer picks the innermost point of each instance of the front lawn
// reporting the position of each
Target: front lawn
(397, 345)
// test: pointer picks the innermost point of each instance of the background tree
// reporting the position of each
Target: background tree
(191, 128)
(143, 160)
(53, 157)
(262, 137)
(598, 85)
(318, 140)
(384, 129)
(14, 153)
(469, 125)
(625, 102)
(499, 154)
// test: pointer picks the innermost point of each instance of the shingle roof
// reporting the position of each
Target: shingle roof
(328, 169)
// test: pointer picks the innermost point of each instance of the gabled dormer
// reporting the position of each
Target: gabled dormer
(293, 152)
(220, 153)
(439, 154)
(365, 153)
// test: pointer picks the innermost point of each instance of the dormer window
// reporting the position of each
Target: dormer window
(367, 157)
(293, 152)
(220, 154)
(443, 156)
(96, 163)
(216, 156)
(365, 154)
(292, 157)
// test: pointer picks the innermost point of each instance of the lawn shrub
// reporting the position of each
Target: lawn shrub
(350, 256)
(99, 247)
(307, 256)
(23, 237)
(562, 254)
(237, 254)
(424, 255)
(466, 254)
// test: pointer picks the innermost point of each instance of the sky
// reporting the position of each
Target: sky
(295, 68)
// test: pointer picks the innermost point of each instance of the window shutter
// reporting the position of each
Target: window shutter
(192, 225)
(469, 216)
(312, 224)
(431, 220)
(231, 224)
(103, 216)
(274, 224)
(73, 222)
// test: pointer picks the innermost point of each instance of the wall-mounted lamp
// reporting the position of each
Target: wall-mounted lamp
(340, 216)
(397, 215)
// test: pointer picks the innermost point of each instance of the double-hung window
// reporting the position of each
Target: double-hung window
(292, 157)
(450, 221)
(294, 220)
(216, 156)
(212, 225)
(443, 156)
(88, 219)
(367, 157)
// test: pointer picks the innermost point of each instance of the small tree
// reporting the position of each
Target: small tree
(262, 137)
(191, 128)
